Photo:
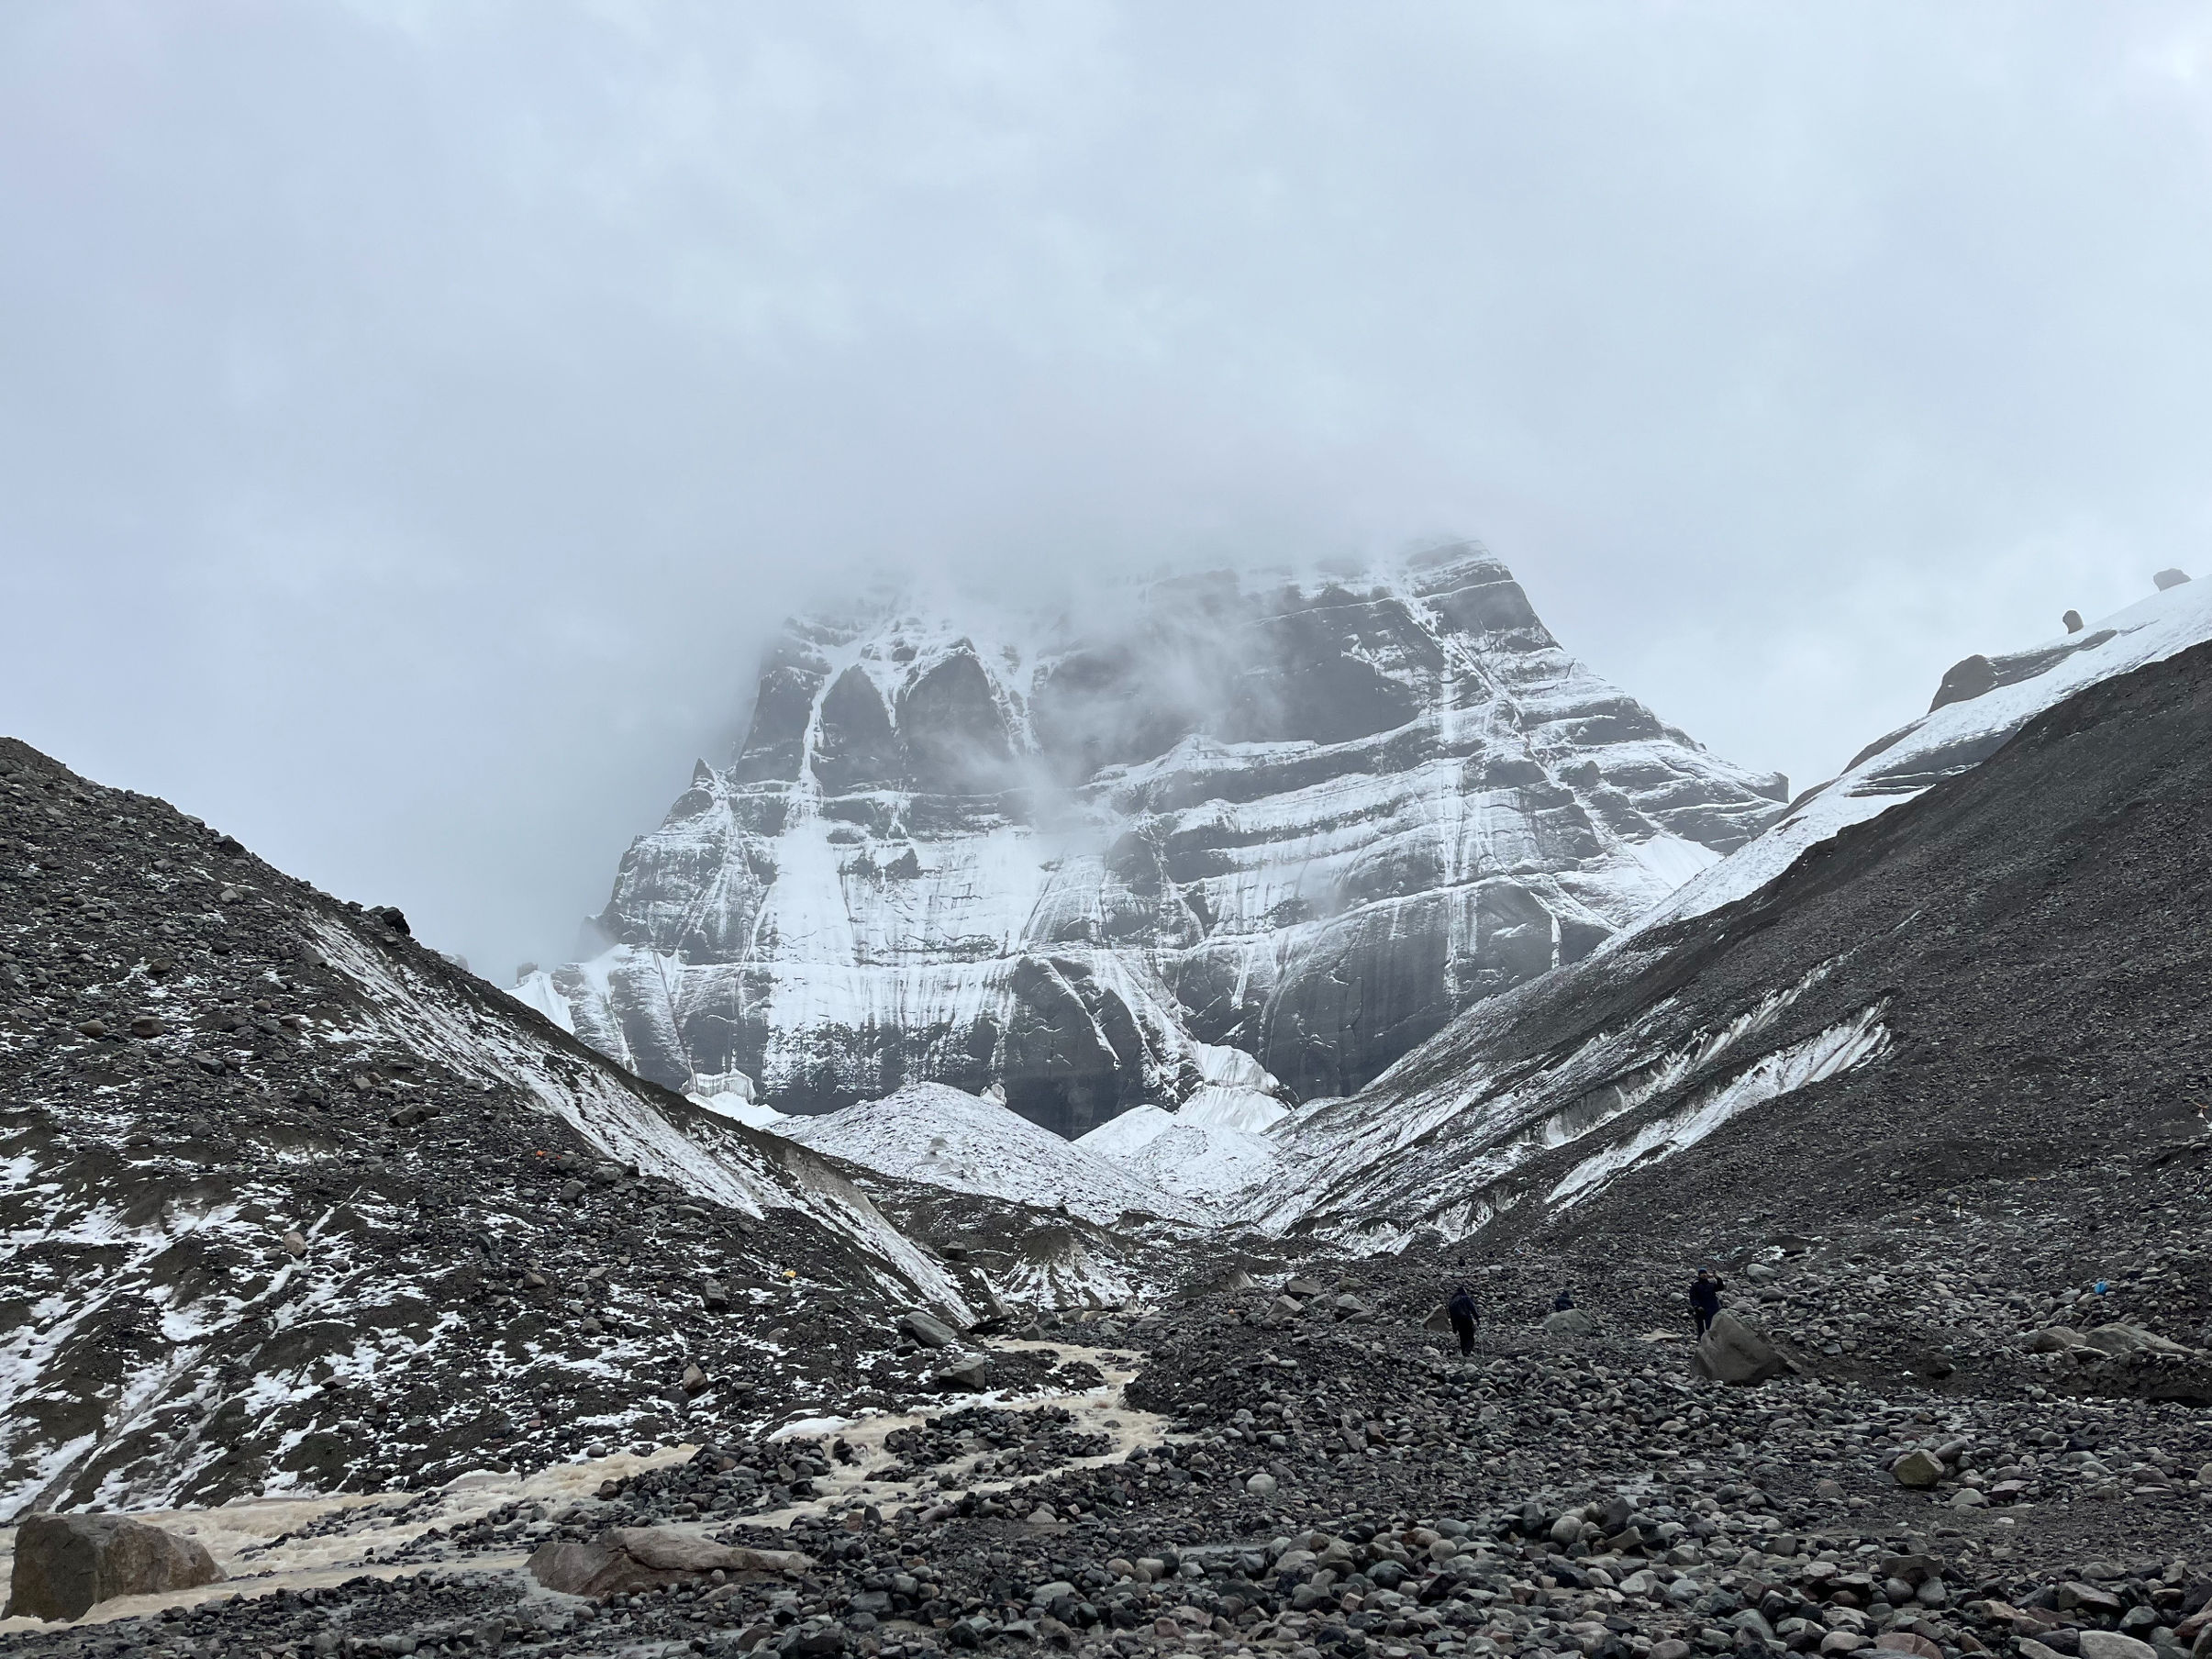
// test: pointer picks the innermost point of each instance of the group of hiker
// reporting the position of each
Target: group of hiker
(1704, 1304)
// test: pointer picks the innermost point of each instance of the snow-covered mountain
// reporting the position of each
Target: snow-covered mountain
(937, 1135)
(1549, 1096)
(1072, 859)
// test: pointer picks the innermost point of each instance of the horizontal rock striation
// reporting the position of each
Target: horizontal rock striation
(1308, 819)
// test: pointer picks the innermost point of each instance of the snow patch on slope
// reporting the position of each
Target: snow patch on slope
(536, 991)
(1204, 1163)
(1841, 1048)
(741, 1108)
(1120, 1138)
(941, 1136)
(1216, 1147)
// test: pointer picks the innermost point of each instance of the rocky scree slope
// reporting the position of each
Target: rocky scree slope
(291, 1201)
(1992, 983)
(1336, 1481)
(1308, 820)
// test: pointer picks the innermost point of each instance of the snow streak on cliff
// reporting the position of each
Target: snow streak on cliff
(1067, 861)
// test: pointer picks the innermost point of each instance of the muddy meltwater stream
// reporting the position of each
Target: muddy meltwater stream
(359, 1533)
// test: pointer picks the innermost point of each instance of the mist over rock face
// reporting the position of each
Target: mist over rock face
(1065, 857)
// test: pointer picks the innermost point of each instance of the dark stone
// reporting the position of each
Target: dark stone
(1965, 680)
(858, 748)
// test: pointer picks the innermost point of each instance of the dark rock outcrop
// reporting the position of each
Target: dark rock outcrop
(1966, 679)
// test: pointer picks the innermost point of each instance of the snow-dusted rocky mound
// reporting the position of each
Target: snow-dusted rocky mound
(291, 1202)
(1981, 702)
(1217, 1146)
(937, 1136)
(1308, 819)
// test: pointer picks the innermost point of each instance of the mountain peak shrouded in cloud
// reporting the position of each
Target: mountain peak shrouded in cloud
(466, 392)
(1286, 823)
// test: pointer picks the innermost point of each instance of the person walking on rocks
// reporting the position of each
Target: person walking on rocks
(1705, 1299)
(1563, 1300)
(1461, 1310)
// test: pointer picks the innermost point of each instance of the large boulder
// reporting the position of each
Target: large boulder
(927, 1329)
(970, 1373)
(1918, 1468)
(1732, 1351)
(1569, 1321)
(66, 1563)
(623, 1560)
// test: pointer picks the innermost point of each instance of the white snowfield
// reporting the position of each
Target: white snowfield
(943, 1137)
(1947, 742)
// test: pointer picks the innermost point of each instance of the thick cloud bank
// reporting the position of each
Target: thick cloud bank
(415, 415)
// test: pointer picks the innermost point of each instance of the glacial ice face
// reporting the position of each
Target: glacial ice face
(1305, 819)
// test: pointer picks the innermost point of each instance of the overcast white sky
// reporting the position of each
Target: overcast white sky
(412, 412)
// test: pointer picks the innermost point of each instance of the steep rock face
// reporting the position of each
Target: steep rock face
(1311, 820)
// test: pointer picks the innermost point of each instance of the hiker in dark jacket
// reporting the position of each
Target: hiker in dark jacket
(1461, 1310)
(1562, 1301)
(1705, 1299)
